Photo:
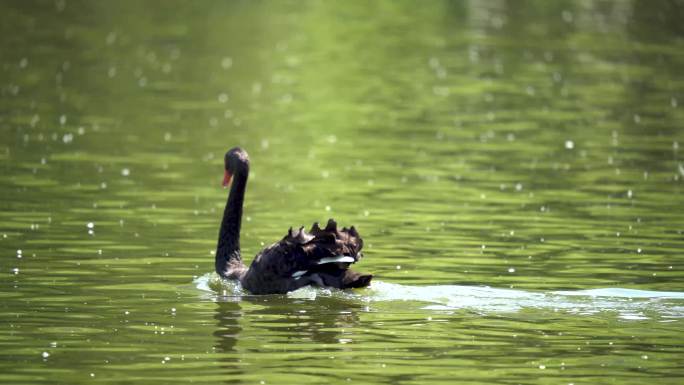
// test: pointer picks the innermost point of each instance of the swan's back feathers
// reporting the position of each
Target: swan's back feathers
(320, 256)
(298, 237)
(327, 243)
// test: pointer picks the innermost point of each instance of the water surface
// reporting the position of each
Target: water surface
(515, 169)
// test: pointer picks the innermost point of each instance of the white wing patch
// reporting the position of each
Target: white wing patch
(298, 274)
(336, 259)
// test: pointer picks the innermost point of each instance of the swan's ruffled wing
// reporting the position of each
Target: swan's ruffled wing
(321, 256)
(327, 255)
(328, 245)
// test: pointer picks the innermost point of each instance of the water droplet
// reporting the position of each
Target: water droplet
(569, 144)
(567, 16)
(45, 354)
(125, 172)
(644, 357)
(90, 225)
(398, 267)
(542, 367)
(15, 270)
(327, 208)
(111, 38)
(256, 88)
(34, 120)
(511, 270)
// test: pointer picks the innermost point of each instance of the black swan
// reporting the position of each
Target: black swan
(320, 257)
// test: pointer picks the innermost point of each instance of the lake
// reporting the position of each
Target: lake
(515, 169)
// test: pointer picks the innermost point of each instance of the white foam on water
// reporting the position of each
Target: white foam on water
(627, 304)
(622, 293)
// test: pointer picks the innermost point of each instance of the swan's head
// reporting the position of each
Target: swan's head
(236, 161)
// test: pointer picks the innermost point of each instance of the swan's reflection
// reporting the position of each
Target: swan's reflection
(322, 321)
(276, 321)
(227, 316)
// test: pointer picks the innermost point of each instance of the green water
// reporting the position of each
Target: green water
(515, 169)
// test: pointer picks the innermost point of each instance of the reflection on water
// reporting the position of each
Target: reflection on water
(514, 167)
(227, 334)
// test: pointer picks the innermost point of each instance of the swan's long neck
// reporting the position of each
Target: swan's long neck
(228, 261)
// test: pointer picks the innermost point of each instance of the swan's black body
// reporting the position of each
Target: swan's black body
(319, 257)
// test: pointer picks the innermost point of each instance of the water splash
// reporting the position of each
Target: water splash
(627, 304)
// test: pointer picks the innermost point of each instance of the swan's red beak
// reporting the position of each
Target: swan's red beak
(226, 178)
